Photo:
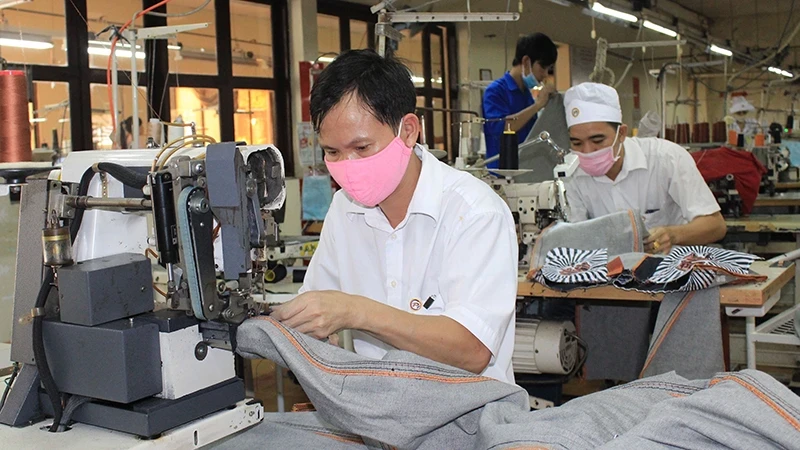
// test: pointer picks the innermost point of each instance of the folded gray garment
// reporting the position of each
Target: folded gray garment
(407, 401)
(621, 232)
(616, 336)
(540, 158)
(687, 336)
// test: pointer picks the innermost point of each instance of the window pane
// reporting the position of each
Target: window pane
(198, 53)
(410, 52)
(198, 105)
(359, 37)
(34, 33)
(438, 126)
(102, 128)
(254, 119)
(328, 34)
(51, 113)
(251, 33)
(437, 70)
(103, 13)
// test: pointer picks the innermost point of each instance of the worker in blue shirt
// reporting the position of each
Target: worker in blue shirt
(510, 97)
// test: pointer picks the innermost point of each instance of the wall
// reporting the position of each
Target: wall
(747, 31)
(485, 49)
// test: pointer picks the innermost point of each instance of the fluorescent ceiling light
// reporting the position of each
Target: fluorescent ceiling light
(720, 50)
(24, 40)
(326, 59)
(598, 7)
(779, 71)
(11, 3)
(102, 51)
(38, 120)
(421, 80)
(656, 27)
(63, 120)
(24, 43)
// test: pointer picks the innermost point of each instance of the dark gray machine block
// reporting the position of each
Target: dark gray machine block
(118, 361)
(105, 289)
(152, 416)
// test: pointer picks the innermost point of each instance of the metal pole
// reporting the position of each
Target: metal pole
(135, 92)
(115, 99)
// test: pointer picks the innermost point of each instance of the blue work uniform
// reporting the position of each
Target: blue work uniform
(503, 98)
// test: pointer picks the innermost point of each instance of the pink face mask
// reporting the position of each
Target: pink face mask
(598, 163)
(371, 180)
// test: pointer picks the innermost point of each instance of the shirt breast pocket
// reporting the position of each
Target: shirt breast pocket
(430, 305)
(655, 217)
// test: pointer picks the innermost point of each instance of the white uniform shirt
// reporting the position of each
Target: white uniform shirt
(457, 246)
(659, 179)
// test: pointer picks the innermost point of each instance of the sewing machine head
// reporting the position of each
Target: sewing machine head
(199, 224)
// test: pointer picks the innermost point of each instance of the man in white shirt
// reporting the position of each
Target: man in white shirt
(414, 254)
(655, 177)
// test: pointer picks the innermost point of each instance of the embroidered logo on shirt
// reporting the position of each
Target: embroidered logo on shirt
(576, 112)
(415, 304)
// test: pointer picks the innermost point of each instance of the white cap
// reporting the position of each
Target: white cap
(740, 104)
(592, 102)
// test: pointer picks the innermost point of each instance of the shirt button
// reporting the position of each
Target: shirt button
(394, 283)
(394, 237)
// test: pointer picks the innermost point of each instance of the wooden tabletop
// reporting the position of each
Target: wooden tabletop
(778, 223)
(788, 185)
(779, 199)
(746, 295)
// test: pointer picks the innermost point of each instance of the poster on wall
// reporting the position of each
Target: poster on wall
(310, 152)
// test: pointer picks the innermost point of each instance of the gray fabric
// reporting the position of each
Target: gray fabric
(616, 336)
(687, 336)
(540, 157)
(620, 233)
(408, 401)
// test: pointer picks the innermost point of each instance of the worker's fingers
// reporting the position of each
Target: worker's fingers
(333, 339)
(289, 309)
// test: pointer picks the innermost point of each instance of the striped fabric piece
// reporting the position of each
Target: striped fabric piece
(569, 265)
(702, 264)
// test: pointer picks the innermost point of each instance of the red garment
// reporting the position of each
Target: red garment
(715, 164)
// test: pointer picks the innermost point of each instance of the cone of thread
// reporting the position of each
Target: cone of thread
(15, 133)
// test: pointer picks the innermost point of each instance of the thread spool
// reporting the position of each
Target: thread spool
(719, 132)
(15, 127)
(509, 151)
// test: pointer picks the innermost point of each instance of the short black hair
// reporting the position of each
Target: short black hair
(382, 84)
(538, 47)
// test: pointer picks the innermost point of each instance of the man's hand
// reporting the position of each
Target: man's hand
(317, 313)
(544, 95)
(661, 240)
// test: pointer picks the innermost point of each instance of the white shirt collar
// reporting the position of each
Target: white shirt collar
(427, 196)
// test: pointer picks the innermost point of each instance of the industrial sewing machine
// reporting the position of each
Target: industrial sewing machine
(533, 205)
(87, 324)
(776, 159)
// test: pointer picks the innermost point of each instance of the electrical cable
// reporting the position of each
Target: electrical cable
(183, 14)
(39, 354)
(125, 175)
(9, 381)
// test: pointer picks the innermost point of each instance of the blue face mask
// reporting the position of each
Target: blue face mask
(529, 80)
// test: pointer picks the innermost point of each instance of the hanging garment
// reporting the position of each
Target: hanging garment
(747, 170)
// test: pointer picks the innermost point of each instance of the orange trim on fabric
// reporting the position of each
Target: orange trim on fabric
(635, 231)
(370, 373)
(532, 273)
(740, 277)
(664, 333)
(615, 267)
(346, 440)
(636, 266)
(763, 397)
